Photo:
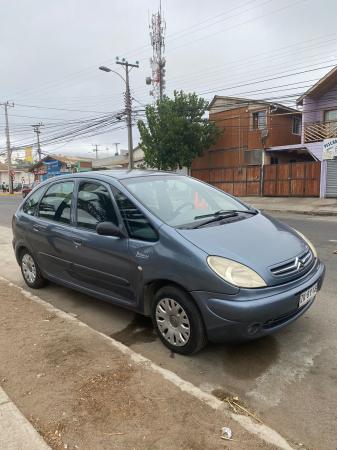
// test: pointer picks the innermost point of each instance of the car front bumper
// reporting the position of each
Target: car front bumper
(252, 314)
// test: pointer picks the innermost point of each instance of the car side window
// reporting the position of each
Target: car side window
(135, 222)
(30, 205)
(56, 202)
(94, 205)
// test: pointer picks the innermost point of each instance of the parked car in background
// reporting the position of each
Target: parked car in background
(17, 187)
(26, 188)
(202, 264)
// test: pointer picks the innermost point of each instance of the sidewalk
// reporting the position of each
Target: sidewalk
(82, 390)
(15, 430)
(297, 205)
(7, 194)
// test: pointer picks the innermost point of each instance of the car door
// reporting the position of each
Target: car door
(53, 232)
(143, 239)
(24, 222)
(102, 264)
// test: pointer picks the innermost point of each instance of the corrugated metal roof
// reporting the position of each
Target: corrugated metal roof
(242, 100)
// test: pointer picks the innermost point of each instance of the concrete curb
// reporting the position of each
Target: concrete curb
(261, 430)
(16, 432)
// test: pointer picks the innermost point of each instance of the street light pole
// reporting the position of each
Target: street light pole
(128, 101)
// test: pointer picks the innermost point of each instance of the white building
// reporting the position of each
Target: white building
(20, 175)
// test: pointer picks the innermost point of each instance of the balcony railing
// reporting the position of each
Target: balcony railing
(317, 131)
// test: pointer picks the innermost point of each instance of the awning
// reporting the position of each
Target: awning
(297, 148)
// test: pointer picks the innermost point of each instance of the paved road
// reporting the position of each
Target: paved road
(289, 379)
(8, 206)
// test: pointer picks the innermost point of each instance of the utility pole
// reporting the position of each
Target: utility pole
(6, 105)
(128, 104)
(38, 132)
(158, 62)
(96, 150)
(116, 144)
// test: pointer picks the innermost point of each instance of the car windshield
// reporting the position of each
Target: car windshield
(181, 201)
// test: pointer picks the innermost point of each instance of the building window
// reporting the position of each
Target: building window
(253, 157)
(259, 120)
(330, 116)
(297, 125)
(274, 160)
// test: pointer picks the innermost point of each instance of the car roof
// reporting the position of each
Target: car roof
(117, 174)
(121, 174)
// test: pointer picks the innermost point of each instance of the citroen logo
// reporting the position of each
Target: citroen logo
(299, 264)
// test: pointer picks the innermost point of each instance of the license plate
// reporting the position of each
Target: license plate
(307, 295)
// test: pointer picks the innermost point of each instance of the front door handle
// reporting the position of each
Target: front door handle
(77, 242)
(39, 227)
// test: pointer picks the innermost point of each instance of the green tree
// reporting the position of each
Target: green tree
(176, 131)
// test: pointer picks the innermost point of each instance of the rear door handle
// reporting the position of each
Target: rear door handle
(77, 242)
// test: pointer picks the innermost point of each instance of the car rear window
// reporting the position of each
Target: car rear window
(30, 205)
(56, 202)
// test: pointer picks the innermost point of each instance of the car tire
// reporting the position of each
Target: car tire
(177, 321)
(30, 270)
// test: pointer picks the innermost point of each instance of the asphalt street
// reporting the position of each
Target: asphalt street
(288, 379)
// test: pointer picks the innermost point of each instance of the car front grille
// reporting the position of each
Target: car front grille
(296, 266)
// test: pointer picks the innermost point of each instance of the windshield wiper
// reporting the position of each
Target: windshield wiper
(215, 219)
(224, 212)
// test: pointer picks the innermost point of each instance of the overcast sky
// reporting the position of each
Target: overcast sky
(50, 52)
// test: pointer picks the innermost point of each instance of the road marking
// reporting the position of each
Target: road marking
(262, 431)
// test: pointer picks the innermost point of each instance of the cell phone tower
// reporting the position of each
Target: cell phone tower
(158, 62)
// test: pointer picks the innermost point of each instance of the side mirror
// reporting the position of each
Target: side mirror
(109, 229)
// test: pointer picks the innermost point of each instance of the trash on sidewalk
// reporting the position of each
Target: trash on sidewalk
(226, 433)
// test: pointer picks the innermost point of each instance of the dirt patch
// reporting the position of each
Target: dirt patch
(63, 350)
(80, 392)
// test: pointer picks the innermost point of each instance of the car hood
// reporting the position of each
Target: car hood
(258, 242)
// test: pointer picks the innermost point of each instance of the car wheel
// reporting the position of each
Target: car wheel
(177, 321)
(30, 270)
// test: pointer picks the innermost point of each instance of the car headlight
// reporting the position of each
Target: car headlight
(311, 245)
(235, 273)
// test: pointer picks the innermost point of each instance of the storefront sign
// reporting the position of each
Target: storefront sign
(330, 148)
